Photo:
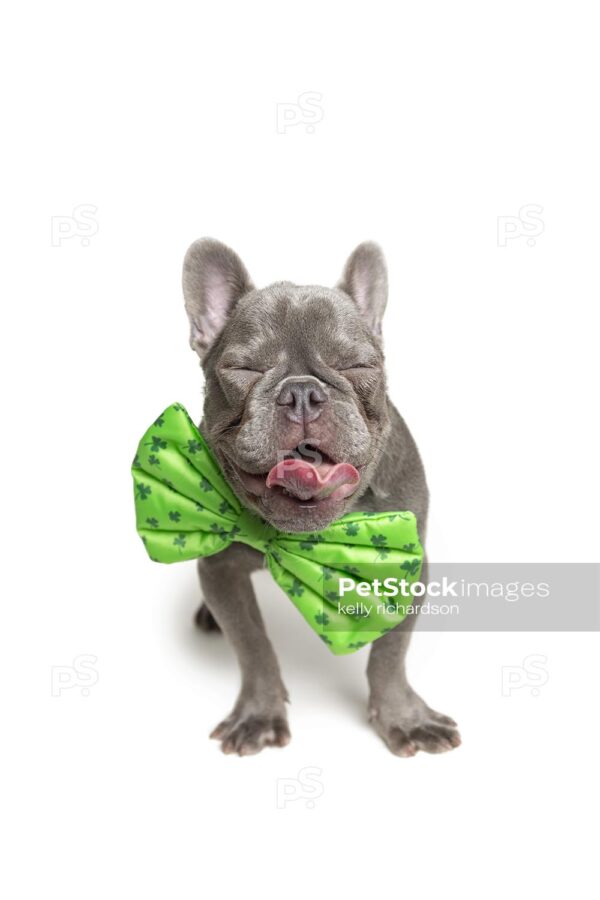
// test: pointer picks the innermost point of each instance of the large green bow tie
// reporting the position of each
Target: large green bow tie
(335, 577)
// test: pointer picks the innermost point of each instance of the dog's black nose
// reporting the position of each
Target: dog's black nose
(303, 400)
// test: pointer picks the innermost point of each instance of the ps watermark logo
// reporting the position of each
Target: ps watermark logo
(307, 111)
(528, 224)
(82, 674)
(533, 674)
(307, 786)
(81, 224)
(305, 450)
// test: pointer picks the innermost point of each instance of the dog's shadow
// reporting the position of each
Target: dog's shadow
(306, 663)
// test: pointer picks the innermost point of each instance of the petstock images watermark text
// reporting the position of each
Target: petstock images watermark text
(475, 596)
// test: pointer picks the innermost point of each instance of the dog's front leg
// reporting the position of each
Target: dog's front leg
(397, 713)
(259, 717)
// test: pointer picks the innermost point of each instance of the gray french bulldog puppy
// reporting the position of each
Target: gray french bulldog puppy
(298, 372)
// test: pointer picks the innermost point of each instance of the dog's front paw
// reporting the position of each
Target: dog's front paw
(410, 725)
(248, 731)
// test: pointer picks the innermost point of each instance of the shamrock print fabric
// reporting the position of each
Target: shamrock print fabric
(185, 509)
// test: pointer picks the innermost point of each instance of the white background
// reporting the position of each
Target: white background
(434, 120)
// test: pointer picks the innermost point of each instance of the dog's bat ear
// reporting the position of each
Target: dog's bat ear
(214, 279)
(365, 280)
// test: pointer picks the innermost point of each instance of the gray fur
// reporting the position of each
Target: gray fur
(252, 344)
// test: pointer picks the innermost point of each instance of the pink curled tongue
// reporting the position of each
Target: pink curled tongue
(307, 482)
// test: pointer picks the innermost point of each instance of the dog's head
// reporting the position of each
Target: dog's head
(295, 404)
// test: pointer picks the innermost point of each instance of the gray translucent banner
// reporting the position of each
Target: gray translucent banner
(497, 597)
